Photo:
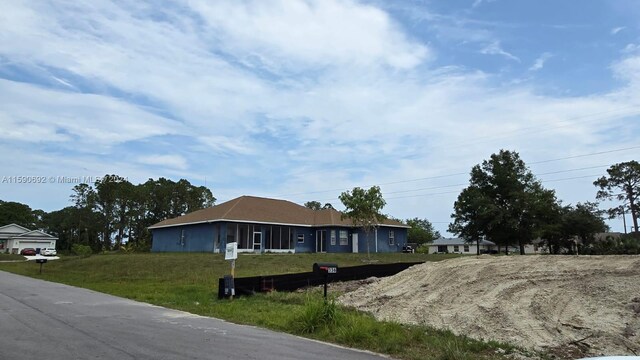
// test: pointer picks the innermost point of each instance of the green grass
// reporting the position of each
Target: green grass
(189, 282)
(11, 257)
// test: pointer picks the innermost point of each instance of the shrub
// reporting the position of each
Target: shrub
(423, 249)
(81, 250)
(317, 314)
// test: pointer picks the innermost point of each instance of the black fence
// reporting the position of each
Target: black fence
(290, 282)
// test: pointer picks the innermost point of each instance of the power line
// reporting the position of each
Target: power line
(569, 122)
(454, 185)
(584, 155)
(465, 173)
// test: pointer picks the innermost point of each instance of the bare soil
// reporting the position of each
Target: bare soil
(569, 306)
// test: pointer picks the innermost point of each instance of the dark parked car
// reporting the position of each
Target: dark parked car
(28, 251)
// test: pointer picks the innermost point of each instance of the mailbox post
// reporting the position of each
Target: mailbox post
(231, 253)
(325, 269)
(41, 261)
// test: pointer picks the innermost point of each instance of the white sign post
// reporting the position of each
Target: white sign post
(231, 253)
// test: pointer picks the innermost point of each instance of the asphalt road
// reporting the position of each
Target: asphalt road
(44, 320)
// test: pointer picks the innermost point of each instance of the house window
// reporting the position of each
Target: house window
(300, 238)
(466, 248)
(231, 233)
(243, 242)
(392, 239)
(333, 237)
(456, 248)
(344, 237)
(442, 249)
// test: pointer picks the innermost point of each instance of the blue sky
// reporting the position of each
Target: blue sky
(301, 100)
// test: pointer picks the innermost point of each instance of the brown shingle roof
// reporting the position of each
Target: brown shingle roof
(264, 210)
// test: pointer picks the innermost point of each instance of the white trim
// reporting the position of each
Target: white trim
(354, 226)
(42, 235)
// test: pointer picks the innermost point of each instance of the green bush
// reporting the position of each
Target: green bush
(81, 250)
(423, 249)
(317, 314)
(627, 244)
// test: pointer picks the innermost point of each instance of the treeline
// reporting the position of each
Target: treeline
(111, 212)
(506, 204)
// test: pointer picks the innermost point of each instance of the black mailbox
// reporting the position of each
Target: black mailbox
(325, 268)
(41, 261)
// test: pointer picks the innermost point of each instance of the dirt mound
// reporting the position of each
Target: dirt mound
(589, 304)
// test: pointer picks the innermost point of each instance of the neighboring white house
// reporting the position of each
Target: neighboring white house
(14, 238)
(459, 246)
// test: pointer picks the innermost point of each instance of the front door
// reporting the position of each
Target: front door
(257, 241)
(321, 239)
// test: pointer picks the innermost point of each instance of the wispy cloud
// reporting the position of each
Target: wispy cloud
(631, 48)
(495, 49)
(540, 61)
(311, 33)
(616, 30)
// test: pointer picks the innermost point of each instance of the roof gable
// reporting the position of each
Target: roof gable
(12, 230)
(34, 234)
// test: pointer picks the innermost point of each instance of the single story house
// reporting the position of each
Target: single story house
(14, 238)
(271, 225)
(459, 246)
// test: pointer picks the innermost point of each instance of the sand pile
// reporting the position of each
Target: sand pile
(578, 305)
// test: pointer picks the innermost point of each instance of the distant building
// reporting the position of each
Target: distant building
(459, 246)
(14, 238)
(270, 225)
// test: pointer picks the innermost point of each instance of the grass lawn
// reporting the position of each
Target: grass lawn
(189, 282)
(11, 257)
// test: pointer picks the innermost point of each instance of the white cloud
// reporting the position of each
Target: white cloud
(540, 61)
(631, 48)
(495, 49)
(303, 33)
(628, 69)
(34, 114)
(617, 30)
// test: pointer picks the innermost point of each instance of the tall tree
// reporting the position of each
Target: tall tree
(363, 207)
(17, 213)
(503, 203)
(421, 231)
(624, 177)
(111, 203)
(584, 221)
(313, 205)
(580, 222)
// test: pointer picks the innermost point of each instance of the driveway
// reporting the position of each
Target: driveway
(40, 319)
